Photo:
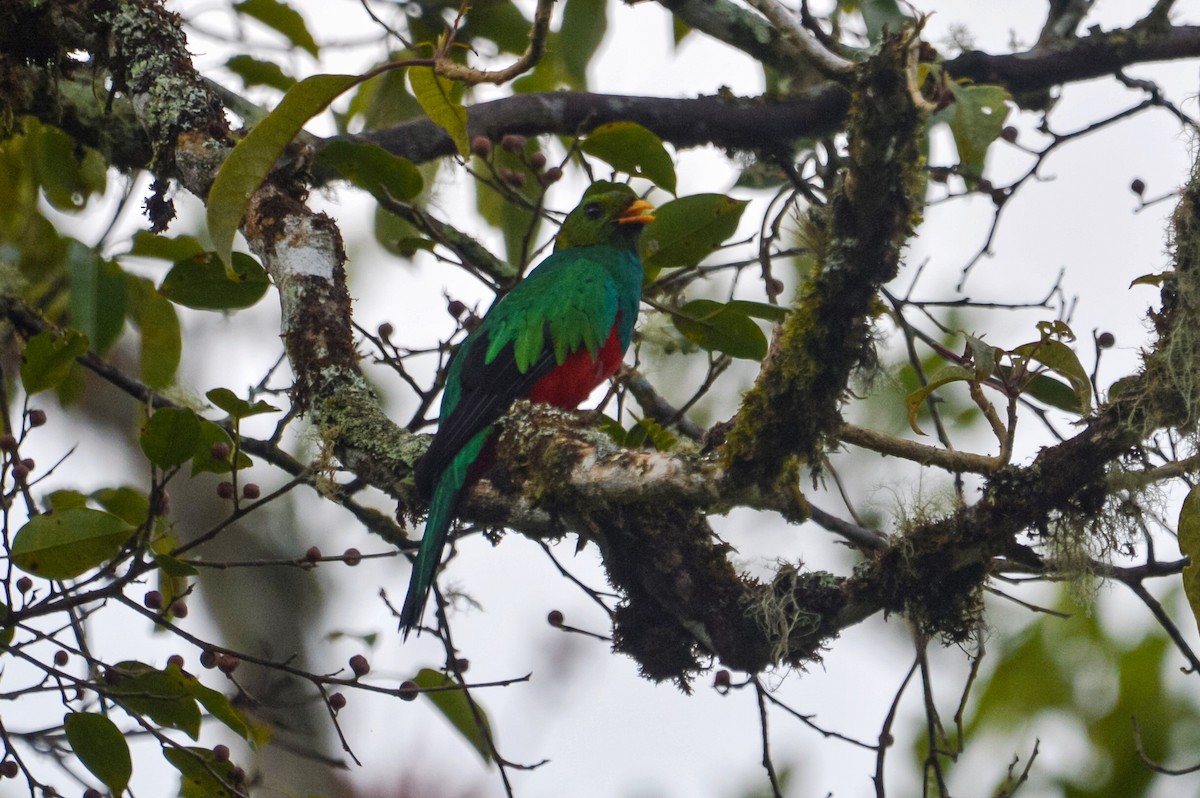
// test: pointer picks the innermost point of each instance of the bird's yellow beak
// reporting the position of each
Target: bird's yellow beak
(638, 212)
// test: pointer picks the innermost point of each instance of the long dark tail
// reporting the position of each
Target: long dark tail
(437, 531)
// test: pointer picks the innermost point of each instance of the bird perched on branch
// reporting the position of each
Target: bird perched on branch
(554, 338)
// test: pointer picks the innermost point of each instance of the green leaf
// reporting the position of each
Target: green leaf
(171, 436)
(176, 569)
(65, 545)
(259, 73)
(979, 114)
(203, 283)
(255, 155)
(236, 406)
(1151, 279)
(436, 96)
(162, 341)
(759, 310)
(67, 173)
(48, 359)
(721, 327)
(203, 461)
(149, 245)
(1054, 393)
(203, 775)
(161, 696)
(7, 631)
(878, 13)
(373, 169)
(1189, 544)
(1061, 359)
(214, 702)
(943, 376)
(98, 296)
(101, 748)
(628, 147)
(61, 500)
(129, 504)
(687, 230)
(282, 18)
(584, 23)
(452, 703)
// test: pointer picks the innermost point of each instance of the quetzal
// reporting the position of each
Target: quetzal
(554, 338)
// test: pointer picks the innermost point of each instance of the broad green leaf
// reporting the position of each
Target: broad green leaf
(687, 230)
(101, 748)
(979, 114)
(254, 72)
(61, 500)
(759, 310)
(161, 696)
(98, 297)
(67, 173)
(149, 245)
(436, 96)
(204, 283)
(452, 702)
(236, 406)
(255, 155)
(65, 545)
(584, 23)
(203, 461)
(1061, 359)
(878, 13)
(397, 235)
(373, 169)
(131, 505)
(648, 430)
(203, 775)
(721, 327)
(1054, 393)
(1151, 279)
(1189, 544)
(214, 702)
(943, 376)
(162, 341)
(282, 18)
(630, 148)
(171, 436)
(176, 569)
(983, 357)
(48, 359)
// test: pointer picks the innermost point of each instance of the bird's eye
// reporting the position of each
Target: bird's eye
(593, 211)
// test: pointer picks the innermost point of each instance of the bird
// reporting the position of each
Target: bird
(555, 337)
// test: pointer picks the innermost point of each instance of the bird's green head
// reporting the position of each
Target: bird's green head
(609, 213)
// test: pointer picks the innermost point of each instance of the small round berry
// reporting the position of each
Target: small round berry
(385, 330)
(721, 679)
(8, 443)
(225, 490)
(352, 556)
(554, 618)
(984, 185)
(481, 146)
(20, 472)
(462, 664)
(999, 196)
(28, 463)
(408, 691)
(221, 753)
(551, 175)
(227, 663)
(512, 142)
(360, 666)
(37, 418)
(1009, 134)
(9, 769)
(92, 792)
(176, 660)
(179, 608)
(220, 451)
(337, 701)
(456, 308)
(1106, 340)
(237, 776)
(153, 600)
(24, 584)
(208, 658)
(1138, 186)
(313, 554)
(61, 658)
(251, 491)
(537, 161)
